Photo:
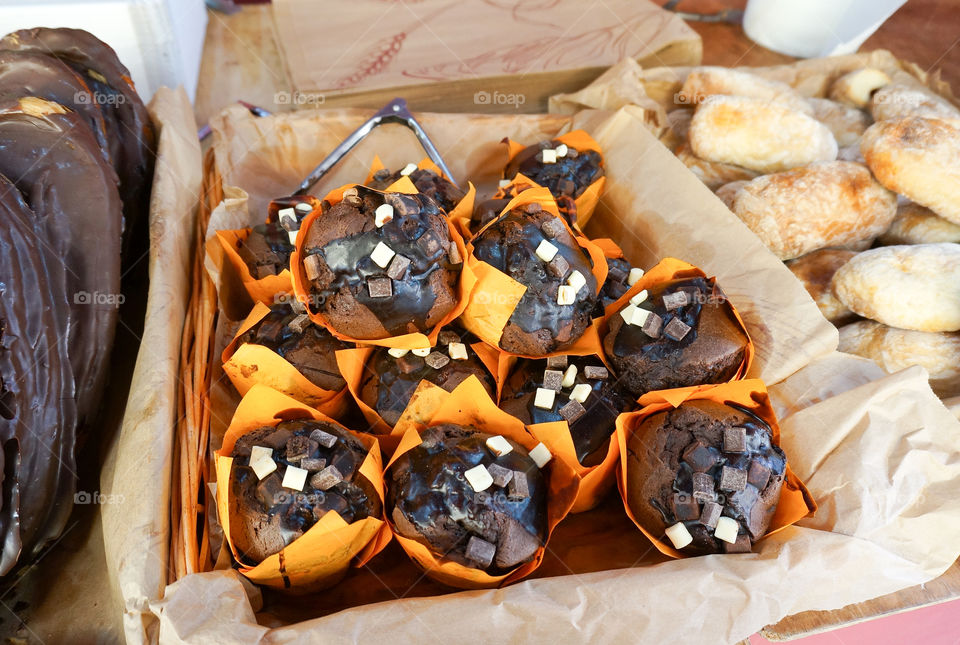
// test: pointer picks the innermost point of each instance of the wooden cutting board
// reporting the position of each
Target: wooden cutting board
(491, 55)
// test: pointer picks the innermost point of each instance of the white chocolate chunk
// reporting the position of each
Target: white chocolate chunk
(562, 150)
(569, 376)
(422, 351)
(303, 208)
(727, 529)
(383, 214)
(635, 274)
(382, 254)
(408, 169)
(549, 156)
(292, 235)
(634, 315)
(286, 212)
(457, 351)
(479, 478)
(546, 251)
(263, 466)
(396, 352)
(503, 183)
(639, 298)
(543, 399)
(679, 535)
(566, 295)
(294, 478)
(580, 392)
(540, 455)
(260, 452)
(498, 445)
(576, 280)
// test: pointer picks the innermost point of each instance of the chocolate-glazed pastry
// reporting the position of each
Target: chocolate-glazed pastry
(618, 271)
(373, 281)
(534, 248)
(433, 497)
(285, 479)
(28, 74)
(38, 416)
(442, 191)
(566, 172)
(683, 333)
(308, 347)
(129, 128)
(392, 375)
(711, 468)
(576, 389)
(54, 161)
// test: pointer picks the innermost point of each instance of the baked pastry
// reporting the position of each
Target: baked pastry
(916, 224)
(815, 271)
(563, 170)
(575, 389)
(682, 332)
(706, 81)
(727, 192)
(467, 502)
(444, 192)
(918, 158)
(758, 134)
(533, 247)
(284, 479)
(308, 347)
(910, 287)
(392, 376)
(707, 475)
(712, 173)
(855, 88)
(846, 123)
(381, 264)
(898, 100)
(834, 203)
(897, 349)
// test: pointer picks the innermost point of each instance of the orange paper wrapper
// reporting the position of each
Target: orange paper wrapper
(405, 341)
(493, 295)
(321, 556)
(586, 203)
(666, 270)
(469, 405)
(249, 364)
(795, 500)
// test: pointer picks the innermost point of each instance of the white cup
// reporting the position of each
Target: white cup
(814, 28)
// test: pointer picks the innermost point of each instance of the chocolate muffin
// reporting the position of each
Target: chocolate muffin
(454, 494)
(575, 389)
(392, 375)
(705, 474)
(683, 333)
(616, 284)
(382, 264)
(308, 347)
(534, 248)
(267, 249)
(564, 171)
(444, 192)
(486, 211)
(285, 479)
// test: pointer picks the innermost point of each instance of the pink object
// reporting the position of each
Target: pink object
(936, 625)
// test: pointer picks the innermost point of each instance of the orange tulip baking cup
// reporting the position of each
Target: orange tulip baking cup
(587, 201)
(264, 289)
(463, 220)
(468, 405)
(795, 503)
(493, 295)
(404, 341)
(353, 365)
(320, 557)
(249, 364)
(464, 207)
(666, 270)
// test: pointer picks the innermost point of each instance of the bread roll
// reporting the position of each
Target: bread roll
(855, 88)
(713, 173)
(899, 100)
(918, 158)
(916, 224)
(758, 134)
(709, 81)
(851, 153)
(896, 349)
(833, 203)
(815, 271)
(846, 123)
(910, 287)
(727, 192)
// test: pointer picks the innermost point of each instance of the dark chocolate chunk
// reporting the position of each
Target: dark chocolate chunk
(652, 325)
(742, 545)
(557, 362)
(297, 448)
(735, 439)
(323, 438)
(313, 465)
(711, 514)
(552, 380)
(676, 329)
(398, 266)
(733, 479)
(312, 266)
(685, 508)
(326, 478)
(559, 266)
(454, 254)
(519, 487)
(436, 360)
(270, 331)
(480, 551)
(515, 545)
(552, 227)
(277, 439)
(501, 476)
(700, 457)
(595, 372)
(758, 475)
(300, 323)
(429, 243)
(703, 487)
(572, 410)
(448, 336)
(675, 300)
(380, 287)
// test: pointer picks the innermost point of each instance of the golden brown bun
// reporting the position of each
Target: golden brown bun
(727, 192)
(899, 100)
(834, 203)
(707, 81)
(916, 224)
(815, 271)
(714, 174)
(855, 88)
(846, 123)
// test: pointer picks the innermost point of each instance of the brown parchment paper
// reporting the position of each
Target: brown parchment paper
(880, 454)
